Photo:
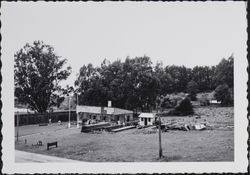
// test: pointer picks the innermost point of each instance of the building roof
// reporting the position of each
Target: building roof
(147, 115)
(118, 111)
(102, 110)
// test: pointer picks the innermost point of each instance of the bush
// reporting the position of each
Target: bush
(184, 108)
(171, 100)
(168, 103)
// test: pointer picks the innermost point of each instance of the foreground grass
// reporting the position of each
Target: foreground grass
(127, 146)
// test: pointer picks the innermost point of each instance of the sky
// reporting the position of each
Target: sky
(179, 33)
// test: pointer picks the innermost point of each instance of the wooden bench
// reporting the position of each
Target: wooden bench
(51, 144)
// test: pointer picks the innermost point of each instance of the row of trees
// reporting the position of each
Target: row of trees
(136, 82)
(132, 84)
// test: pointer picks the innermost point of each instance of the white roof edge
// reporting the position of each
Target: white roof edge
(147, 115)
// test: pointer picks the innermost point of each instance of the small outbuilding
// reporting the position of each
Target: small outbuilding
(146, 119)
(214, 102)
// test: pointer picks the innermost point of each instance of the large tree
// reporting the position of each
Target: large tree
(224, 94)
(203, 76)
(192, 89)
(38, 70)
(166, 81)
(224, 72)
(180, 76)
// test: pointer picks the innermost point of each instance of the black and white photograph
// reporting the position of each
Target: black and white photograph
(124, 87)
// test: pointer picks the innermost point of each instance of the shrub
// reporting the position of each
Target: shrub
(184, 108)
(168, 103)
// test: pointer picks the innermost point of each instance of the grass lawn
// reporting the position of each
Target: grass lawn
(131, 146)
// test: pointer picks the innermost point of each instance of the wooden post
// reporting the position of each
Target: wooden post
(160, 148)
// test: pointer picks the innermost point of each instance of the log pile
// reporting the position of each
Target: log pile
(185, 126)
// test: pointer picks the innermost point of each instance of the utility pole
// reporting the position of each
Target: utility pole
(76, 99)
(69, 113)
(77, 122)
(17, 123)
(160, 148)
(158, 104)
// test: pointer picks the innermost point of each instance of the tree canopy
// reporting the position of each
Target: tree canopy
(129, 85)
(136, 83)
(38, 70)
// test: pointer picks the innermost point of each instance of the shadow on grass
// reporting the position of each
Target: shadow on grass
(169, 158)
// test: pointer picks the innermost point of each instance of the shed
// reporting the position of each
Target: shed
(146, 119)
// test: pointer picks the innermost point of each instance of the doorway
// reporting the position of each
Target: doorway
(145, 122)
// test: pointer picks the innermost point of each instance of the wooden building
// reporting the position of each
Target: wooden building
(103, 114)
(146, 119)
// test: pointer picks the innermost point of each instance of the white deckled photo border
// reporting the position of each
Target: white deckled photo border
(239, 164)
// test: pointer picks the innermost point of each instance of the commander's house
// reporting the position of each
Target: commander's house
(103, 114)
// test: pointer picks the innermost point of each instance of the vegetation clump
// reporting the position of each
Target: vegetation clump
(184, 108)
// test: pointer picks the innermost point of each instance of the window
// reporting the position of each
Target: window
(141, 119)
(149, 119)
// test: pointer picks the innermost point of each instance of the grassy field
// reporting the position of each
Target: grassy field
(130, 146)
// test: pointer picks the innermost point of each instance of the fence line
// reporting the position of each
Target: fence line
(31, 118)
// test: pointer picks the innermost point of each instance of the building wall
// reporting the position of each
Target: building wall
(128, 117)
(122, 118)
(150, 121)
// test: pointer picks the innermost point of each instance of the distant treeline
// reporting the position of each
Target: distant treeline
(136, 82)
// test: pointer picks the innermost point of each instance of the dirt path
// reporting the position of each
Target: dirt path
(22, 156)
